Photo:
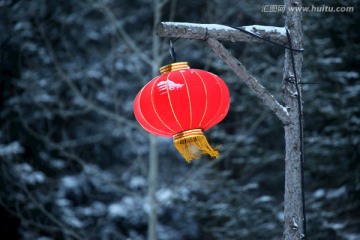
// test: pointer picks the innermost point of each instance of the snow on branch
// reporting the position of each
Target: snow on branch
(221, 32)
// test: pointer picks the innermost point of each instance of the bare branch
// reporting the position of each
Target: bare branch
(220, 32)
(49, 215)
(121, 31)
(268, 99)
(21, 187)
(89, 104)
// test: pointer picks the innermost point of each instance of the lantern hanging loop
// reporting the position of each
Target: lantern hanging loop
(172, 50)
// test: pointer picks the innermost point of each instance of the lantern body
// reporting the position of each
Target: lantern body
(181, 99)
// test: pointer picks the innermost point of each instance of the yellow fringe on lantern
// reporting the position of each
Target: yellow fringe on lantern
(192, 144)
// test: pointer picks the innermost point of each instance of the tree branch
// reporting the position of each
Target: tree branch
(260, 91)
(221, 32)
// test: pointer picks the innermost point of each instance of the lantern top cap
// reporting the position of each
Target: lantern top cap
(174, 67)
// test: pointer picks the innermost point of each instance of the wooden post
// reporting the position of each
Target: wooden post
(294, 205)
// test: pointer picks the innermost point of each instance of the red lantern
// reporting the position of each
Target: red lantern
(182, 103)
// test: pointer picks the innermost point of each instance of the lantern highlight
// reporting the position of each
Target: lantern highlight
(183, 103)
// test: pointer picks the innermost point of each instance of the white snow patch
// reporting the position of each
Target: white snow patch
(220, 206)
(43, 82)
(165, 196)
(336, 193)
(58, 164)
(353, 91)
(264, 199)
(93, 73)
(319, 193)
(69, 182)
(351, 236)
(280, 216)
(63, 202)
(208, 26)
(344, 74)
(27, 174)
(352, 74)
(44, 98)
(79, 101)
(137, 182)
(330, 60)
(72, 221)
(119, 65)
(146, 206)
(285, 109)
(93, 35)
(123, 208)
(183, 193)
(96, 209)
(102, 96)
(295, 224)
(55, 163)
(251, 186)
(243, 211)
(253, 28)
(256, 28)
(335, 226)
(217, 27)
(11, 149)
(116, 210)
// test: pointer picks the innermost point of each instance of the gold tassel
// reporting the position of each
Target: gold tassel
(192, 144)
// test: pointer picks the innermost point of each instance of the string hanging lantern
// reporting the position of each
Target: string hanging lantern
(183, 103)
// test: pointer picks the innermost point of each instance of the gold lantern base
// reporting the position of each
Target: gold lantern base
(192, 144)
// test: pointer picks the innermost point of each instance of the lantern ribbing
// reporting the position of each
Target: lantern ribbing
(182, 103)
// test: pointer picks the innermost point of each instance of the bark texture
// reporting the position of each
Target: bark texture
(294, 214)
(219, 32)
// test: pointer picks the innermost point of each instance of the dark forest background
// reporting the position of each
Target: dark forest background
(74, 161)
